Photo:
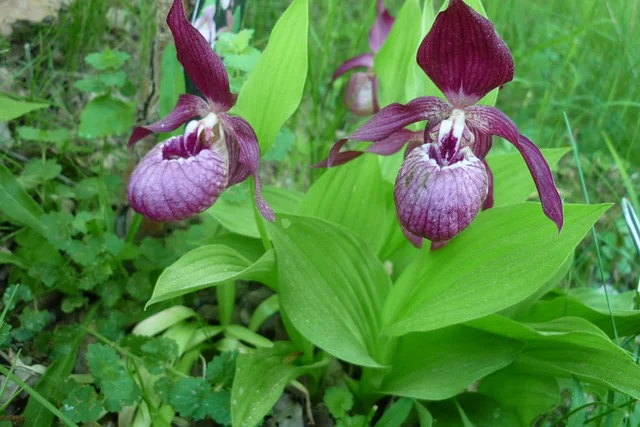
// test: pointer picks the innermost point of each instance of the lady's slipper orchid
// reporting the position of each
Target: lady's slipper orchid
(185, 175)
(361, 97)
(443, 184)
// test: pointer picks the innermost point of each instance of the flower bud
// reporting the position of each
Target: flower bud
(438, 201)
(360, 97)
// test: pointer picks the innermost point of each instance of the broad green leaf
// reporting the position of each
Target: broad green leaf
(512, 182)
(437, 365)
(7, 258)
(238, 217)
(105, 116)
(566, 347)
(589, 304)
(11, 109)
(17, 205)
(172, 83)
(208, 266)
(274, 89)
(353, 195)
(332, 287)
(527, 394)
(506, 255)
(260, 379)
(396, 414)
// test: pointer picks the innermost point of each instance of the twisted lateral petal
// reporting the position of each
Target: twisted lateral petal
(438, 202)
(248, 156)
(488, 202)
(187, 107)
(543, 178)
(171, 184)
(489, 121)
(381, 28)
(361, 61)
(395, 117)
(202, 65)
(360, 97)
(464, 56)
(386, 147)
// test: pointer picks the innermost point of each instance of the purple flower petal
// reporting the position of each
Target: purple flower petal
(488, 202)
(171, 183)
(464, 56)
(361, 61)
(187, 107)
(248, 156)
(200, 62)
(395, 117)
(439, 201)
(381, 28)
(543, 178)
(386, 147)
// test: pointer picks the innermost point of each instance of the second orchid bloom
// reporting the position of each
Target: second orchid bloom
(186, 174)
(445, 180)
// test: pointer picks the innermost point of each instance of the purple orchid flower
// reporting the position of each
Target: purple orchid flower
(361, 97)
(184, 175)
(444, 182)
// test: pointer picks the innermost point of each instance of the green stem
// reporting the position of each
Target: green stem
(37, 396)
(262, 229)
(135, 226)
(226, 293)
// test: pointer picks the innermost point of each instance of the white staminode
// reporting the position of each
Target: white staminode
(454, 125)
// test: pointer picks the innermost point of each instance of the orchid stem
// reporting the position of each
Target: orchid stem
(226, 293)
(262, 229)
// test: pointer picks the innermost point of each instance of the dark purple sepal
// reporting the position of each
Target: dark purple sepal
(187, 108)
(178, 179)
(395, 117)
(464, 56)
(381, 28)
(200, 62)
(386, 147)
(439, 201)
(543, 179)
(361, 61)
(360, 96)
(488, 201)
(240, 131)
(487, 121)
